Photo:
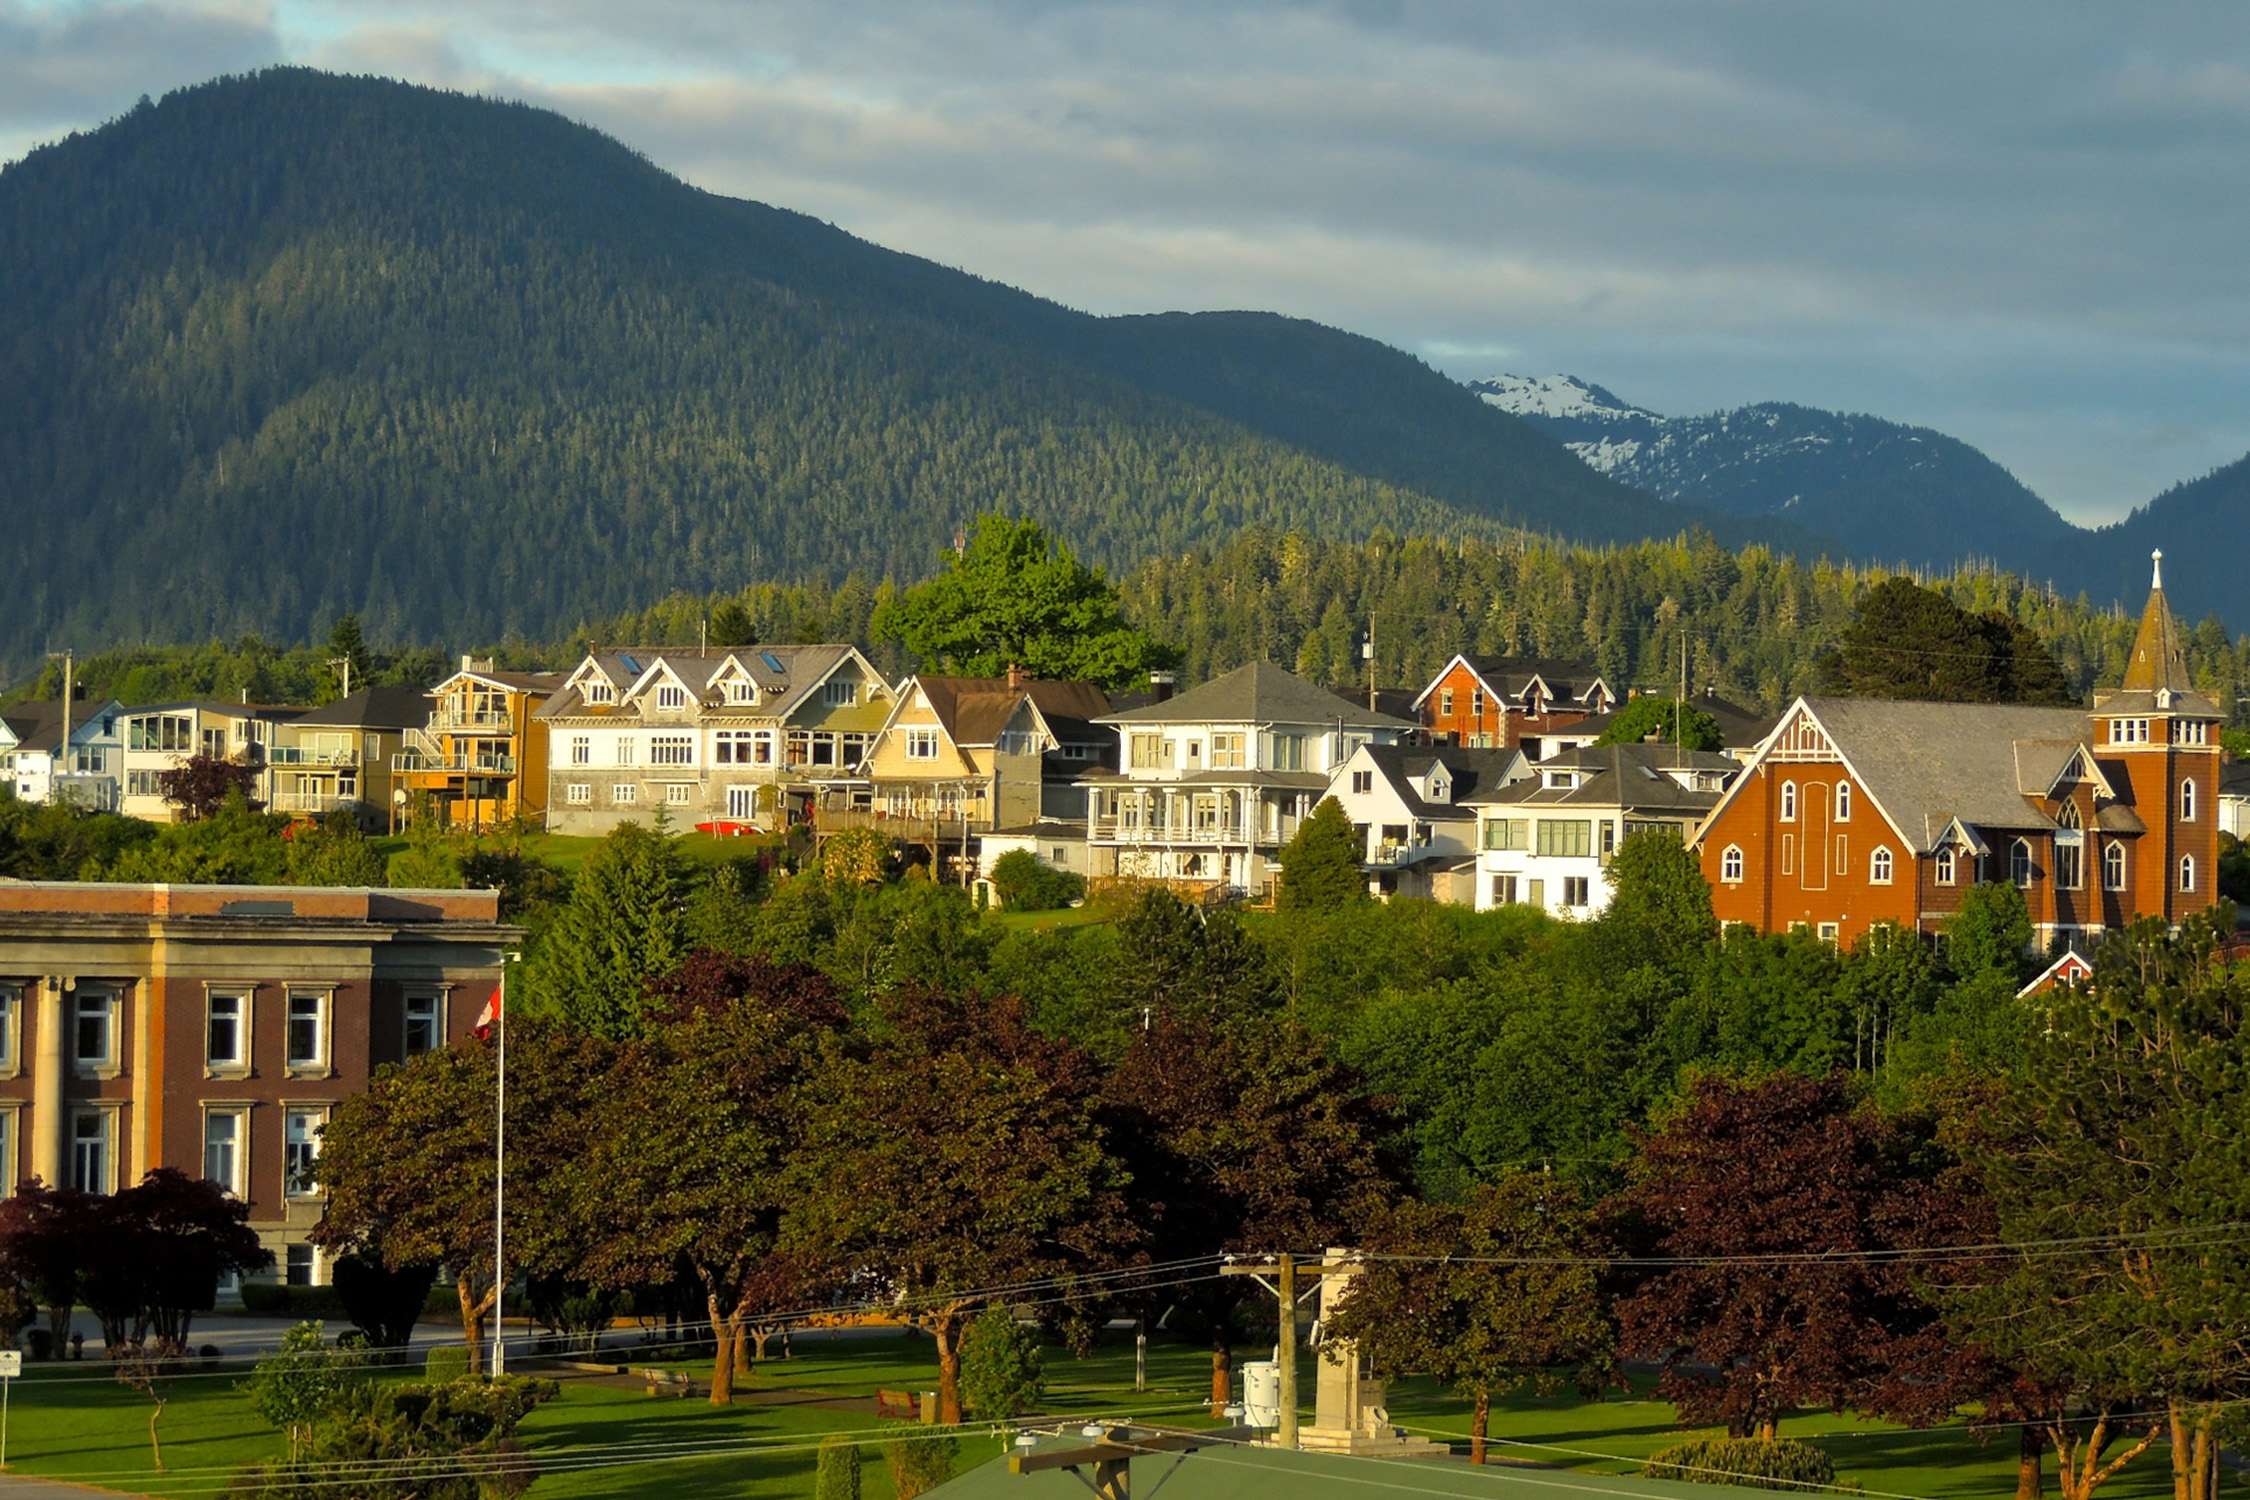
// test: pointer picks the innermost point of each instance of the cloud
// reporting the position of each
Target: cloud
(2017, 221)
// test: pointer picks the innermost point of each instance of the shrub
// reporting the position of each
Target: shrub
(1775, 1464)
(1002, 1374)
(1025, 884)
(446, 1362)
(837, 1477)
(920, 1462)
(275, 1299)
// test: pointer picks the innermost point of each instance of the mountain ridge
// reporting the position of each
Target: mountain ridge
(289, 345)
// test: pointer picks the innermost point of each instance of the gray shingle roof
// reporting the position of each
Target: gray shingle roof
(375, 708)
(1926, 764)
(1260, 693)
(1637, 778)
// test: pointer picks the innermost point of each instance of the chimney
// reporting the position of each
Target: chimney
(1160, 686)
(1016, 678)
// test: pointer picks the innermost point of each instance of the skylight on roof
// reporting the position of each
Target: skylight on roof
(772, 661)
(630, 665)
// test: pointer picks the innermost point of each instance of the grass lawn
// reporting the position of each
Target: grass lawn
(566, 852)
(70, 1421)
(1092, 914)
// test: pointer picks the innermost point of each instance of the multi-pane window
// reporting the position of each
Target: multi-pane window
(2191, 732)
(921, 744)
(298, 1266)
(2113, 866)
(1879, 867)
(1503, 890)
(1945, 867)
(1226, 752)
(1476, 702)
(600, 691)
(742, 803)
(1148, 752)
(300, 1150)
(671, 695)
(307, 1031)
(1445, 703)
(579, 793)
(671, 750)
(581, 749)
(1363, 782)
(160, 732)
(2128, 731)
(1288, 752)
(222, 1149)
(92, 1036)
(424, 1031)
(1730, 864)
(1507, 833)
(743, 747)
(143, 784)
(741, 690)
(627, 750)
(89, 1151)
(679, 794)
(227, 1030)
(2070, 862)
(1575, 890)
(855, 743)
(1566, 837)
(2019, 863)
(624, 794)
(839, 692)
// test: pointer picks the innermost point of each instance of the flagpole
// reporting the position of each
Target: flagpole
(499, 1183)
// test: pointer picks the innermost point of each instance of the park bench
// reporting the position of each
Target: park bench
(898, 1404)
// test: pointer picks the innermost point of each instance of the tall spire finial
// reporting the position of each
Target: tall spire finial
(2156, 569)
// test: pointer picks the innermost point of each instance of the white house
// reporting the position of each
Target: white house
(1211, 783)
(91, 775)
(723, 736)
(1407, 804)
(164, 736)
(1547, 840)
(2234, 798)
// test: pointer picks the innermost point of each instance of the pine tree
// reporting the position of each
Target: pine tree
(1320, 865)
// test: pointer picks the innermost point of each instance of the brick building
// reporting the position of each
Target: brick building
(213, 1028)
(1503, 702)
(1860, 811)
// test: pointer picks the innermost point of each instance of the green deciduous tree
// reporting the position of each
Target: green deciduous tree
(1455, 1292)
(1002, 1372)
(1015, 598)
(302, 1384)
(1320, 865)
(954, 1151)
(1686, 726)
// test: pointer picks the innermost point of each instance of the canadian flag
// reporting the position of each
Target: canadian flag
(489, 1016)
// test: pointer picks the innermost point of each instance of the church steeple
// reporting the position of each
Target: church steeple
(2159, 662)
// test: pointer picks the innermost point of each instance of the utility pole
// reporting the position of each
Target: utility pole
(343, 664)
(62, 751)
(1283, 1268)
(1367, 652)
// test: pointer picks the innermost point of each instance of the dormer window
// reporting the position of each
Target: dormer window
(599, 691)
(742, 690)
(671, 695)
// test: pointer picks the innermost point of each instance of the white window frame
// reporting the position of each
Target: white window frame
(237, 1117)
(581, 749)
(1880, 867)
(921, 744)
(11, 1137)
(1830, 933)
(2187, 874)
(1731, 864)
(625, 751)
(679, 794)
(2187, 800)
(671, 750)
(291, 1186)
(321, 1064)
(1843, 801)
(1789, 802)
(2023, 870)
(112, 1001)
(579, 794)
(625, 794)
(742, 803)
(243, 997)
(670, 695)
(105, 1180)
(11, 1030)
(2113, 852)
(432, 1002)
(599, 690)
(1945, 871)
(741, 690)
(291, 1254)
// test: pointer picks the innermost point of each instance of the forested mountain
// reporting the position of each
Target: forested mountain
(290, 345)
(1894, 494)
(1885, 491)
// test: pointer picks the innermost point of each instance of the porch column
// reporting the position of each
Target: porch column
(49, 1127)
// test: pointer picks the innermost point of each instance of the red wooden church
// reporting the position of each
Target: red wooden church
(1857, 811)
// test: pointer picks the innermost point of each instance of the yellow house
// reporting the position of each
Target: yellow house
(481, 759)
(960, 757)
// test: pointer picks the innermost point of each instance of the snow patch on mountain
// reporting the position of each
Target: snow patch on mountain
(1551, 396)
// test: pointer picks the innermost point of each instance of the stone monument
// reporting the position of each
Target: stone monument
(1348, 1413)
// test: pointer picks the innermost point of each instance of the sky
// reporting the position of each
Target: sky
(2022, 224)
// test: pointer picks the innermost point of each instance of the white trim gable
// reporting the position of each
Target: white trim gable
(1800, 712)
(2081, 766)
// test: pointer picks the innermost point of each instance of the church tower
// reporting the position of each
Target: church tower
(2157, 734)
